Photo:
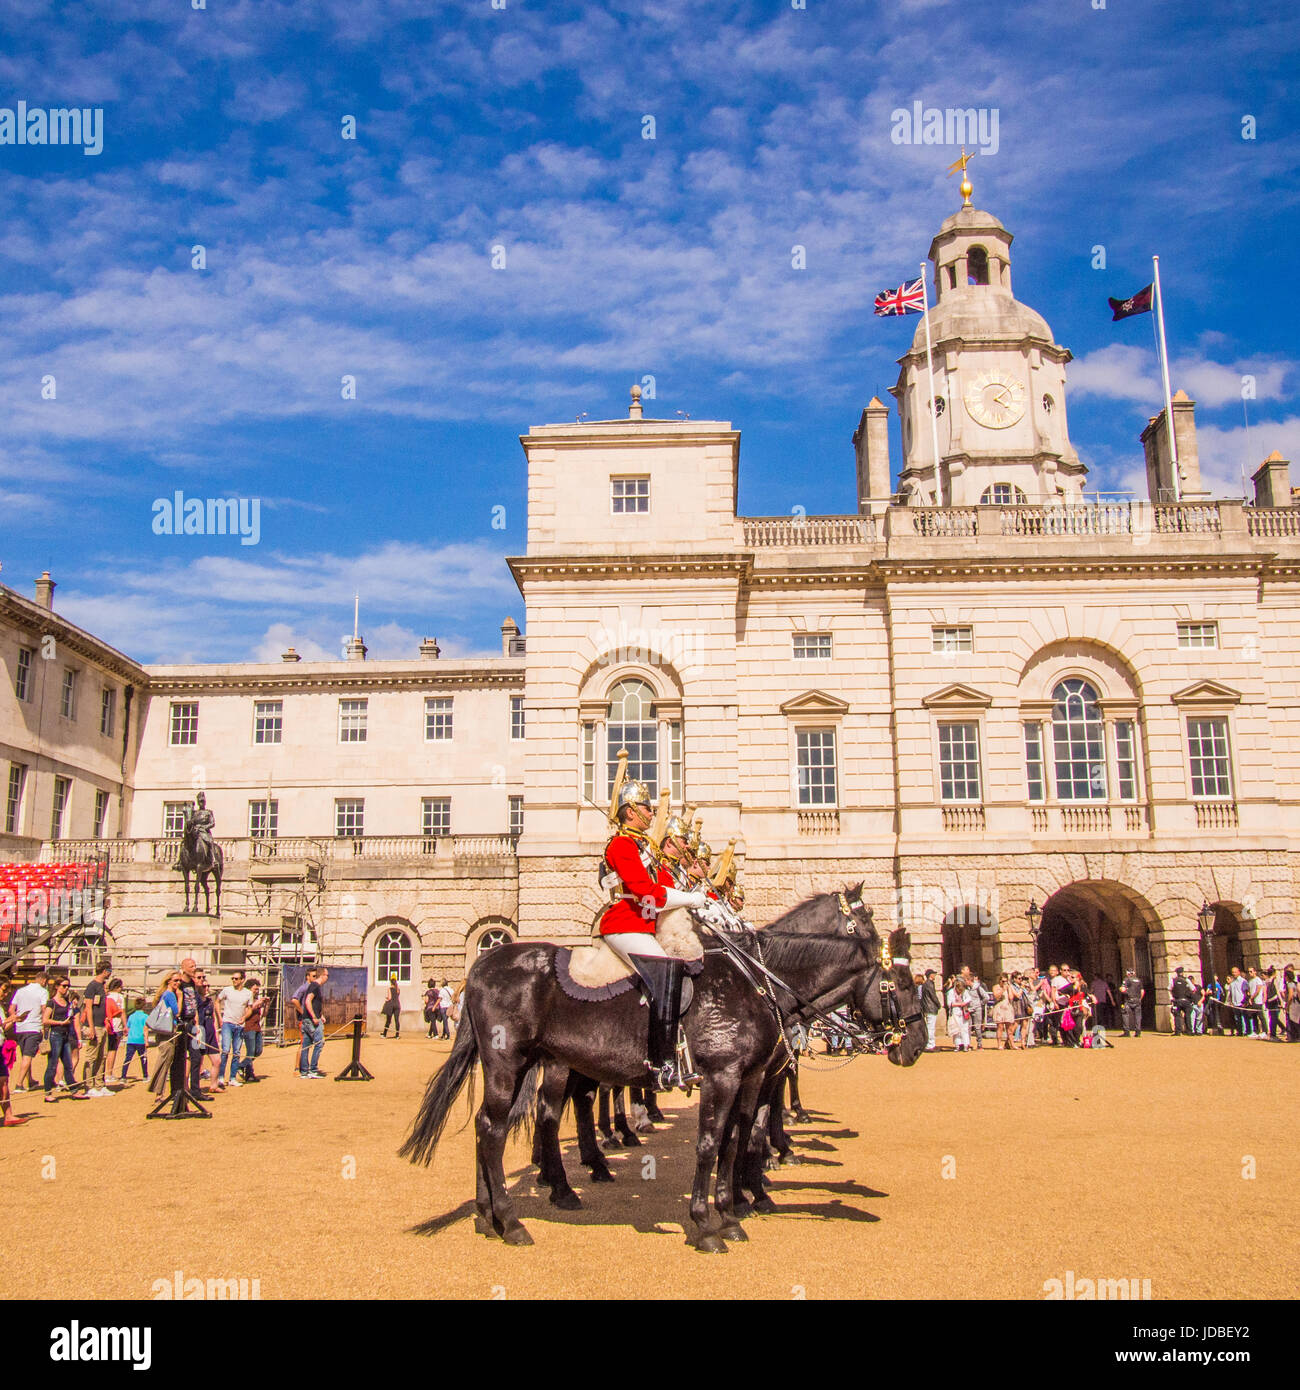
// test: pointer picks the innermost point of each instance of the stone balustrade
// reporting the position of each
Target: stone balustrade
(290, 849)
(768, 532)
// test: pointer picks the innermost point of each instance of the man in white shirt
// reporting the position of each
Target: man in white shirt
(1255, 1002)
(234, 1001)
(27, 1003)
(1237, 998)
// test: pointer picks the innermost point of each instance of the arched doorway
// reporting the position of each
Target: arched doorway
(970, 941)
(392, 947)
(1235, 942)
(1101, 928)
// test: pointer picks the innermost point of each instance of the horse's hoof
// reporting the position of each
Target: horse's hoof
(791, 1158)
(802, 1117)
(566, 1201)
(741, 1208)
(611, 1143)
(516, 1235)
(630, 1141)
(764, 1206)
(601, 1175)
(657, 1116)
(484, 1227)
(709, 1244)
(733, 1231)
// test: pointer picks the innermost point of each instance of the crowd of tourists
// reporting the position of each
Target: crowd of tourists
(1056, 1006)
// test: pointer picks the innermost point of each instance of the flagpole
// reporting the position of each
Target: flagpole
(1164, 372)
(929, 357)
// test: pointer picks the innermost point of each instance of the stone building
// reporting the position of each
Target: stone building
(1034, 720)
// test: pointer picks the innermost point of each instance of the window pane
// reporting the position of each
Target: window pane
(632, 726)
(959, 762)
(675, 759)
(435, 814)
(589, 761)
(1198, 634)
(1126, 760)
(1078, 736)
(268, 721)
(1207, 742)
(352, 721)
(23, 675)
(185, 724)
(437, 718)
(516, 817)
(812, 646)
(952, 639)
(629, 494)
(101, 813)
(350, 817)
(174, 813)
(14, 796)
(393, 957)
(264, 819)
(1034, 761)
(107, 702)
(816, 766)
(516, 716)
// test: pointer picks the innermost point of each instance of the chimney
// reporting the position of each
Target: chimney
(1155, 443)
(429, 649)
(45, 587)
(356, 648)
(1272, 481)
(290, 655)
(871, 445)
(509, 633)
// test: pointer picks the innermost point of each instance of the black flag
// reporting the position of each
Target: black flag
(1140, 303)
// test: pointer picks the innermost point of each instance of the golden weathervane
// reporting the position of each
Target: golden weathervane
(965, 190)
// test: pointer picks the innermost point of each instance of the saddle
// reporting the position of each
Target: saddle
(597, 972)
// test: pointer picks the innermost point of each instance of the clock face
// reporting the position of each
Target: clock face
(993, 402)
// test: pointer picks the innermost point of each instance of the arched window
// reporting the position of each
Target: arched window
(977, 266)
(1049, 405)
(938, 406)
(393, 957)
(1079, 742)
(491, 939)
(632, 725)
(1002, 495)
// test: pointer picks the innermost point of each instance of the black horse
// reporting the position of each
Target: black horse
(518, 1016)
(201, 858)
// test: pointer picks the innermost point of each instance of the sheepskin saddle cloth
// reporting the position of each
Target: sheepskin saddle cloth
(598, 972)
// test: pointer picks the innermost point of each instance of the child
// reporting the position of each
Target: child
(114, 1018)
(135, 1039)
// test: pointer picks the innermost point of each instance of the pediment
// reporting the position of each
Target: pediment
(814, 702)
(1207, 693)
(957, 697)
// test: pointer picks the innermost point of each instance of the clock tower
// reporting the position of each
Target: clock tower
(999, 383)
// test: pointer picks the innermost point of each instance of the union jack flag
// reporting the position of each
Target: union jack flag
(906, 299)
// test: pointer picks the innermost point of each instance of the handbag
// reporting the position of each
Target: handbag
(161, 1019)
(1067, 1021)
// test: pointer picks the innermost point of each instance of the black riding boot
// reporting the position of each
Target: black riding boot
(664, 979)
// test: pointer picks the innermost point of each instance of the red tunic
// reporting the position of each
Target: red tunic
(623, 856)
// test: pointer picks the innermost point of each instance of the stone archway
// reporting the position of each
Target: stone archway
(486, 935)
(1102, 928)
(969, 937)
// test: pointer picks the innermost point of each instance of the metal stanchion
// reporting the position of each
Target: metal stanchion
(354, 1071)
(183, 1102)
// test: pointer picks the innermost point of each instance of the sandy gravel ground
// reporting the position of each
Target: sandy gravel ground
(967, 1176)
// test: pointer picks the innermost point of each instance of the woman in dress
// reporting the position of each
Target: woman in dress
(1004, 1012)
(393, 1008)
(958, 1014)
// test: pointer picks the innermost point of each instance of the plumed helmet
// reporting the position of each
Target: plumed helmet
(703, 852)
(633, 793)
(693, 839)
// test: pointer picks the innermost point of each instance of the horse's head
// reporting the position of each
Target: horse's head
(889, 999)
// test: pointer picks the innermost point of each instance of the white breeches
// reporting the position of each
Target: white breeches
(635, 943)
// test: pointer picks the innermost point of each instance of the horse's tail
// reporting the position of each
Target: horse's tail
(524, 1110)
(440, 1095)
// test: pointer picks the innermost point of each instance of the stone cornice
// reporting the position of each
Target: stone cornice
(288, 679)
(567, 568)
(40, 622)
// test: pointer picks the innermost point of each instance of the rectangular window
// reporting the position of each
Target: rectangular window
(641, 739)
(516, 817)
(101, 813)
(816, 766)
(629, 494)
(1207, 747)
(959, 762)
(264, 819)
(1198, 634)
(350, 817)
(589, 761)
(812, 646)
(68, 698)
(268, 721)
(185, 724)
(23, 675)
(675, 759)
(1126, 759)
(437, 718)
(1034, 762)
(436, 816)
(62, 791)
(107, 712)
(516, 716)
(174, 813)
(14, 797)
(352, 721)
(952, 639)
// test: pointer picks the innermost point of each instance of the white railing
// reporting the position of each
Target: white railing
(963, 818)
(1273, 521)
(942, 521)
(771, 532)
(1075, 519)
(819, 822)
(1187, 518)
(289, 849)
(1216, 815)
(1085, 820)
(79, 851)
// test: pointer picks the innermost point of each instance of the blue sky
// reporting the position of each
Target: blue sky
(522, 127)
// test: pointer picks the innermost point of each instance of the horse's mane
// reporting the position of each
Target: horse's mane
(784, 949)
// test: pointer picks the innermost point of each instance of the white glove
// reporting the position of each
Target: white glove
(674, 897)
